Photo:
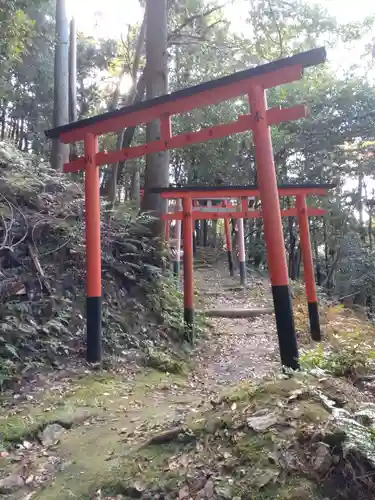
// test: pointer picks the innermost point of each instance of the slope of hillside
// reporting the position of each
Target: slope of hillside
(42, 260)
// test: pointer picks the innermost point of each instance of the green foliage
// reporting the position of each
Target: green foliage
(339, 364)
(41, 212)
(17, 28)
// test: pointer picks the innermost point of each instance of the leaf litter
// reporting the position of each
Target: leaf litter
(261, 437)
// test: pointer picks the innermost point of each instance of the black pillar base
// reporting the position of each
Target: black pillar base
(285, 327)
(94, 329)
(189, 324)
(314, 321)
(194, 246)
(243, 273)
(230, 262)
(176, 268)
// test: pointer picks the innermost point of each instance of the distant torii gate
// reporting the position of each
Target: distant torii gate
(251, 83)
(190, 194)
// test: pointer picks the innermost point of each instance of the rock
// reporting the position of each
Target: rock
(224, 492)
(261, 420)
(322, 459)
(184, 493)
(11, 483)
(297, 394)
(262, 477)
(52, 434)
(366, 415)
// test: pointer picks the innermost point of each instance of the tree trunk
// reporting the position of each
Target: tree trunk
(17, 134)
(317, 264)
(326, 250)
(214, 233)
(258, 235)
(123, 141)
(21, 134)
(135, 95)
(157, 164)
(205, 233)
(14, 126)
(360, 197)
(198, 232)
(369, 230)
(73, 80)
(3, 121)
(60, 152)
(298, 262)
(136, 189)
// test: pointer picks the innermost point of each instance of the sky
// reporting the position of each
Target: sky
(92, 17)
(111, 21)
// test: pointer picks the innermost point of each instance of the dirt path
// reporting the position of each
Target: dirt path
(102, 416)
(237, 349)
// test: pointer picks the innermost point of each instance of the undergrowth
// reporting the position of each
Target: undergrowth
(348, 347)
(42, 294)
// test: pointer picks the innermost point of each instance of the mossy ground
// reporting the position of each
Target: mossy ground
(113, 418)
(104, 413)
(221, 445)
(216, 443)
(87, 397)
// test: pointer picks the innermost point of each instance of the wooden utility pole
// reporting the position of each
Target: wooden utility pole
(73, 115)
(73, 72)
(60, 152)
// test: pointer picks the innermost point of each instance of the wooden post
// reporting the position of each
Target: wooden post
(308, 267)
(228, 239)
(273, 229)
(187, 207)
(177, 262)
(193, 232)
(241, 249)
(73, 114)
(93, 251)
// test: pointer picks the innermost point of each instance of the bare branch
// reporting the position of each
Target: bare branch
(188, 21)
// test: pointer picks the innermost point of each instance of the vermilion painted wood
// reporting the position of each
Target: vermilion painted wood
(308, 266)
(232, 193)
(244, 123)
(188, 228)
(290, 212)
(92, 202)
(185, 104)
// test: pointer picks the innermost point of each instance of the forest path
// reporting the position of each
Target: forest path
(102, 417)
(236, 349)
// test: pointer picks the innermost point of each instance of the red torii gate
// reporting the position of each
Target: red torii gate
(252, 83)
(191, 194)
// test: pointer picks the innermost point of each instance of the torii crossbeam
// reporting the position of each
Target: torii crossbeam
(251, 83)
